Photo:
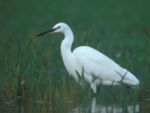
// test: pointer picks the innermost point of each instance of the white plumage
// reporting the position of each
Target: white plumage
(97, 68)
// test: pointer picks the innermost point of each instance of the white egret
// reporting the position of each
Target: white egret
(98, 68)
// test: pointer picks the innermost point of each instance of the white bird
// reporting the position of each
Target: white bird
(94, 65)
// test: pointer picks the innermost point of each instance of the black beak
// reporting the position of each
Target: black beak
(43, 33)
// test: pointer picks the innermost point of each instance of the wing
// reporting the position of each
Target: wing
(94, 55)
(97, 64)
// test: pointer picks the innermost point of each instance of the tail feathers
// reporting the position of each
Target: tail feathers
(130, 79)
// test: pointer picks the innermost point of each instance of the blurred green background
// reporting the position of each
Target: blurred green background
(32, 67)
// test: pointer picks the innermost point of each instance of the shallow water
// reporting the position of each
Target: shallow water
(71, 104)
(99, 108)
(67, 107)
(77, 99)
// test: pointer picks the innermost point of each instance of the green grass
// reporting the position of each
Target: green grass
(115, 28)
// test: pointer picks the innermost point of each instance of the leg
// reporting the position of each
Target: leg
(93, 87)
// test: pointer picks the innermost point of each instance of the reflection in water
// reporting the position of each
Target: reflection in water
(95, 108)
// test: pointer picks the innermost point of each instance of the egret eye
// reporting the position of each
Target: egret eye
(58, 27)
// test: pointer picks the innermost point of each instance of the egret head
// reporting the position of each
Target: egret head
(59, 27)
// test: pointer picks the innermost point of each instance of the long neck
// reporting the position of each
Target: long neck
(67, 42)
